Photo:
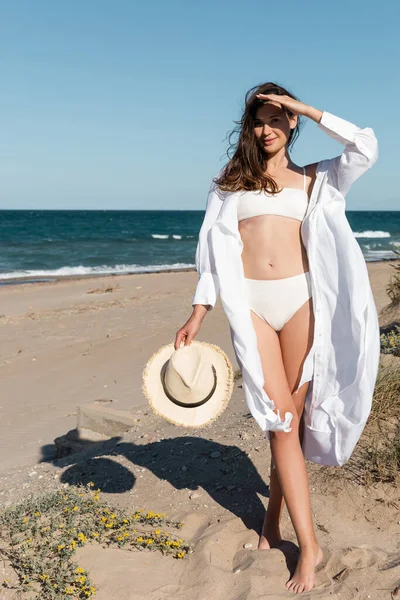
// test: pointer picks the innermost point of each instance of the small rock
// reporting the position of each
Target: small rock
(32, 473)
(236, 571)
(215, 454)
(248, 546)
(194, 495)
(184, 468)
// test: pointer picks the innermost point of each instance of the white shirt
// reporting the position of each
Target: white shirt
(344, 357)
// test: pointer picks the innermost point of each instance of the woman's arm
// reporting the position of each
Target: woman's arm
(207, 288)
(359, 155)
(361, 145)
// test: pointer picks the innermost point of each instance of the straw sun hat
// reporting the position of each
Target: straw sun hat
(190, 386)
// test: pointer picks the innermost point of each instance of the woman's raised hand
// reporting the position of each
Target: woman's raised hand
(295, 106)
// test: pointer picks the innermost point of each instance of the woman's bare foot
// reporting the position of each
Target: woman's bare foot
(270, 536)
(304, 575)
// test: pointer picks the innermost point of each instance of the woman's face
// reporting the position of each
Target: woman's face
(272, 127)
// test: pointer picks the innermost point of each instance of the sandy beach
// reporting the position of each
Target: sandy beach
(72, 342)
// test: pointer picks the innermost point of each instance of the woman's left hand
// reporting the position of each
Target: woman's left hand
(296, 107)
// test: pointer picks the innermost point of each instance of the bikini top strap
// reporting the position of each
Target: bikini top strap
(304, 185)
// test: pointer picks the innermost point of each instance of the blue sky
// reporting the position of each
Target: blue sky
(127, 105)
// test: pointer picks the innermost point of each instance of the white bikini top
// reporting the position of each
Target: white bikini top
(291, 202)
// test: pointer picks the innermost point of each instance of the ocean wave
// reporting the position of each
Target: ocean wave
(371, 234)
(373, 255)
(101, 270)
(175, 236)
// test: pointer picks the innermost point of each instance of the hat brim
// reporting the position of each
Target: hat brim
(199, 416)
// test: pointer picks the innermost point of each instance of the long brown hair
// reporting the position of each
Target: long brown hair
(245, 169)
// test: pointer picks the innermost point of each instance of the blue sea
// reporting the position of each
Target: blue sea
(36, 244)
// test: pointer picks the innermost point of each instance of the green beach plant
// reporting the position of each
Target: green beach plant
(390, 342)
(40, 536)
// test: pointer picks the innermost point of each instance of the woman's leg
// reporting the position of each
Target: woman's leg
(285, 447)
(295, 340)
(271, 536)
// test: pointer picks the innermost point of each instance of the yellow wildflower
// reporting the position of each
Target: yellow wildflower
(139, 539)
(95, 534)
(79, 570)
(75, 508)
(158, 532)
(60, 547)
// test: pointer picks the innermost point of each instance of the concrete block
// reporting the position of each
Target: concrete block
(104, 419)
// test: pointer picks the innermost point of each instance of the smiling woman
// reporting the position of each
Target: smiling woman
(276, 246)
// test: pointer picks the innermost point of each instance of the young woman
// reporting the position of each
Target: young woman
(276, 246)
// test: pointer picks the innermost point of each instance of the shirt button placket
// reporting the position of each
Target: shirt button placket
(318, 353)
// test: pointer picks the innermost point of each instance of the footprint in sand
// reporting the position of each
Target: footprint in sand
(354, 558)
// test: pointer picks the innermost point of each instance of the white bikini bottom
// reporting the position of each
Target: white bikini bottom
(276, 300)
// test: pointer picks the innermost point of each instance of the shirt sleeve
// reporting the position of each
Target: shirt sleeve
(207, 288)
(359, 155)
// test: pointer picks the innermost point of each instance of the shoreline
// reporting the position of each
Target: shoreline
(58, 278)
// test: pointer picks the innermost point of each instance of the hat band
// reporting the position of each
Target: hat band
(195, 404)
